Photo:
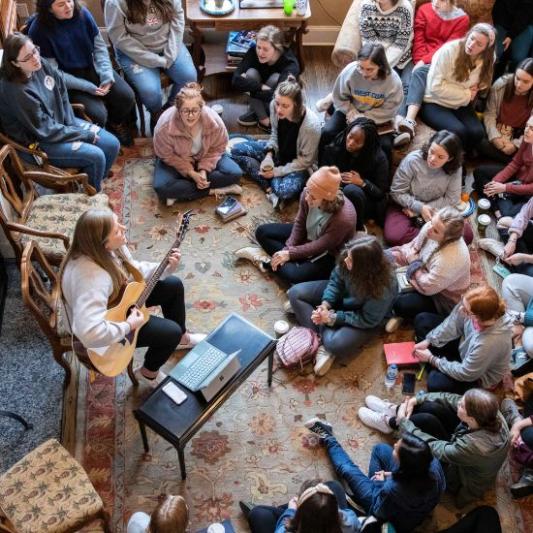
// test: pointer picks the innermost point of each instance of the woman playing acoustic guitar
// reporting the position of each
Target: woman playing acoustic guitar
(96, 269)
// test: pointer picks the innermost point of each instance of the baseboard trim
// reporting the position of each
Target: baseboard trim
(321, 35)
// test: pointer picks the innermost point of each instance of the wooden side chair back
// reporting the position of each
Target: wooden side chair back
(41, 293)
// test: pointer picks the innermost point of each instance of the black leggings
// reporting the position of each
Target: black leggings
(527, 433)
(482, 519)
(272, 238)
(162, 335)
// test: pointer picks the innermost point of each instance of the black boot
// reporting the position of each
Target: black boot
(246, 508)
(524, 487)
(122, 132)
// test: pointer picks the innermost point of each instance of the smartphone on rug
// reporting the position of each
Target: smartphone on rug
(409, 379)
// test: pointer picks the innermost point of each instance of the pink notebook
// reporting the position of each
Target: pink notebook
(400, 353)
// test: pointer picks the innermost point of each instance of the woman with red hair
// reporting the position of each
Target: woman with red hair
(471, 347)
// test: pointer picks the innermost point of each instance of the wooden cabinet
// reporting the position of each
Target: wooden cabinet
(8, 18)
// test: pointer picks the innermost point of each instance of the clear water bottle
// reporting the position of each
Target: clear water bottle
(301, 7)
(391, 375)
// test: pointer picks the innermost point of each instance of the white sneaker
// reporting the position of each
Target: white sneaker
(193, 340)
(153, 383)
(402, 139)
(171, 202)
(287, 307)
(492, 246)
(374, 420)
(273, 198)
(230, 189)
(380, 406)
(323, 361)
(504, 222)
(323, 104)
(393, 324)
(255, 255)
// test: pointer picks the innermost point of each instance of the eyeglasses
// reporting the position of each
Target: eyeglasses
(35, 52)
(190, 112)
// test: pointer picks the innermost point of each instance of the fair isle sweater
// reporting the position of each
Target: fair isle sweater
(393, 28)
(445, 275)
(415, 184)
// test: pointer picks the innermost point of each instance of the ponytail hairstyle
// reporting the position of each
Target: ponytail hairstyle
(170, 516)
(292, 89)
(452, 144)
(137, 11)
(527, 66)
(485, 303)
(414, 458)
(273, 35)
(12, 45)
(483, 407)
(187, 92)
(464, 64)
(454, 223)
(375, 53)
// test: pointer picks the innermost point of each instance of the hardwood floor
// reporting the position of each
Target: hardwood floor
(318, 79)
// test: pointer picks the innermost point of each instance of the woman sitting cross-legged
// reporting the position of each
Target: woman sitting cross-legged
(509, 106)
(190, 142)
(356, 152)
(404, 482)
(511, 187)
(467, 434)
(69, 38)
(438, 267)
(282, 164)
(148, 38)
(348, 309)
(460, 70)
(425, 181)
(320, 508)
(35, 110)
(262, 69)
(94, 272)
(470, 348)
(366, 87)
(306, 250)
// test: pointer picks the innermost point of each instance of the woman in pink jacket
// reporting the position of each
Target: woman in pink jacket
(190, 142)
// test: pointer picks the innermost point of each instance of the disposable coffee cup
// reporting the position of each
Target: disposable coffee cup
(483, 222)
(281, 327)
(483, 206)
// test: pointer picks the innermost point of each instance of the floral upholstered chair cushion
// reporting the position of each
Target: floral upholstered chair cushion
(59, 213)
(48, 491)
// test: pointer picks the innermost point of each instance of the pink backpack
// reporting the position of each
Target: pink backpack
(297, 347)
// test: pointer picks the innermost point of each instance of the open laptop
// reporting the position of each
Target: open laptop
(206, 368)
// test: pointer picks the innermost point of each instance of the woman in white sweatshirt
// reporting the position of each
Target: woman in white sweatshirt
(96, 268)
(459, 71)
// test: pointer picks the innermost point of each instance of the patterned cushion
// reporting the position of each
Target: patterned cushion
(59, 213)
(48, 491)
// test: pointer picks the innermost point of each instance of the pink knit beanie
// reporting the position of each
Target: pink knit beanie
(324, 183)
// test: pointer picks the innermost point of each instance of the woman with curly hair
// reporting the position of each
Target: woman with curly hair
(347, 309)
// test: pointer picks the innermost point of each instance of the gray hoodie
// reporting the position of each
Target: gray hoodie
(378, 100)
(484, 354)
(473, 458)
(152, 45)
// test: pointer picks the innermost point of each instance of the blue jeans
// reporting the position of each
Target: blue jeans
(147, 82)
(363, 488)
(169, 183)
(249, 155)
(520, 48)
(93, 159)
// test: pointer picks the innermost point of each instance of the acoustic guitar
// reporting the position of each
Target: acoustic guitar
(112, 360)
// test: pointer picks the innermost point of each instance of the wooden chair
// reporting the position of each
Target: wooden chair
(41, 293)
(49, 218)
(48, 491)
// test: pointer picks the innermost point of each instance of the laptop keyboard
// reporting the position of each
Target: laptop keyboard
(202, 367)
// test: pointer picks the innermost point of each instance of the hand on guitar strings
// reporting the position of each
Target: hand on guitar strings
(135, 319)
(174, 260)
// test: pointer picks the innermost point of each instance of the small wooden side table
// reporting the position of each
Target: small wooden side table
(294, 26)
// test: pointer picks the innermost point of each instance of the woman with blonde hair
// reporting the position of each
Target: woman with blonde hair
(262, 69)
(460, 70)
(467, 434)
(348, 309)
(190, 142)
(281, 165)
(437, 266)
(94, 272)
(471, 347)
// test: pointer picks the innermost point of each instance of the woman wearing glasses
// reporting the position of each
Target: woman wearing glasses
(69, 37)
(190, 142)
(35, 110)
